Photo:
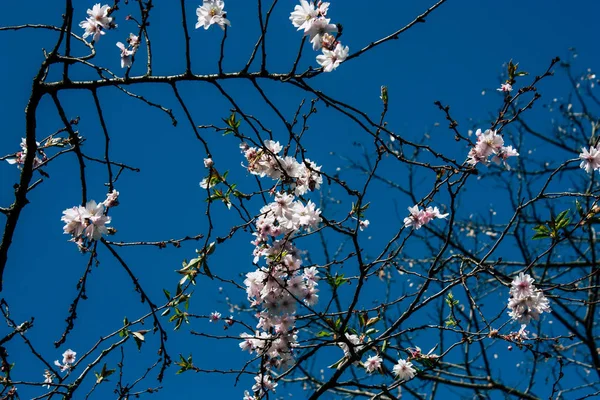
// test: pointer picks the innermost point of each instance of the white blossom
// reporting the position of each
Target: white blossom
(211, 12)
(331, 59)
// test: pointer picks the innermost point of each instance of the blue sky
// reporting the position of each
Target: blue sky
(456, 57)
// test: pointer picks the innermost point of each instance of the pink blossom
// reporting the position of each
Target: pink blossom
(373, 363)
(418, 218)
(505, 87)
(590, 159)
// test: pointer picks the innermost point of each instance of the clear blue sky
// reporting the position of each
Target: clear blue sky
(454, 57)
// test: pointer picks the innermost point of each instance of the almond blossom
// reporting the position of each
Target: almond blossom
(305, 14)
(505, 87)
(277, 286)
(19, 157)
(263, 384)
(88, 222)
(318, 30)
(490, 143)
(418, 217)
(526, 301)
(404, 370)
(373, 363)
(48, 379)
(590, 160)
(91, 29)
(125, 55)
(99, 15)
(331, 59)
(211, 12)
(67, 362)
(266, 161)
(97, 21)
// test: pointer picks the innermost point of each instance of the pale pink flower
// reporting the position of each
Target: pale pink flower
(92, 28)
(418, 218)
(68, 360)
(214, 316)
(590, 159)
(526, 301)
(404, 370)
(503, 154)
(305, 14)
(99, 15)
(505, 87)
(318, 30)
(211, 12)
(125, 55)
(490, 143)
(48, 379)
(373, 363)
(522, 285)
(112, 199)
(331, 59)
(88, 221)
(263, 384)
(19, 158)
(133, 40)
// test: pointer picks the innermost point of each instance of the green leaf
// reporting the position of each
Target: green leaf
(562, 220)
(324, 334)
(579, 208)
(540, 235)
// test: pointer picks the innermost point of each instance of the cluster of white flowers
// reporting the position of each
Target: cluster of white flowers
(67, 362)
(281, 284)
(490, 143)
(418, 218)
(590, 160)
(127, 52)
(211, 12)
(526, 301)
(19, 158)
(97, 21)
(88, 223)
(312, 19)
(302, 177)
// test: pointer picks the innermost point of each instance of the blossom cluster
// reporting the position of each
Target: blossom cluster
(490, 143)
(212, 12)
(418, 217)
(590, 160)
(88, 223)
(403, 370)
(526, 301)
(266, 161)
(97, 21)
(281, 283)
(312, 18)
